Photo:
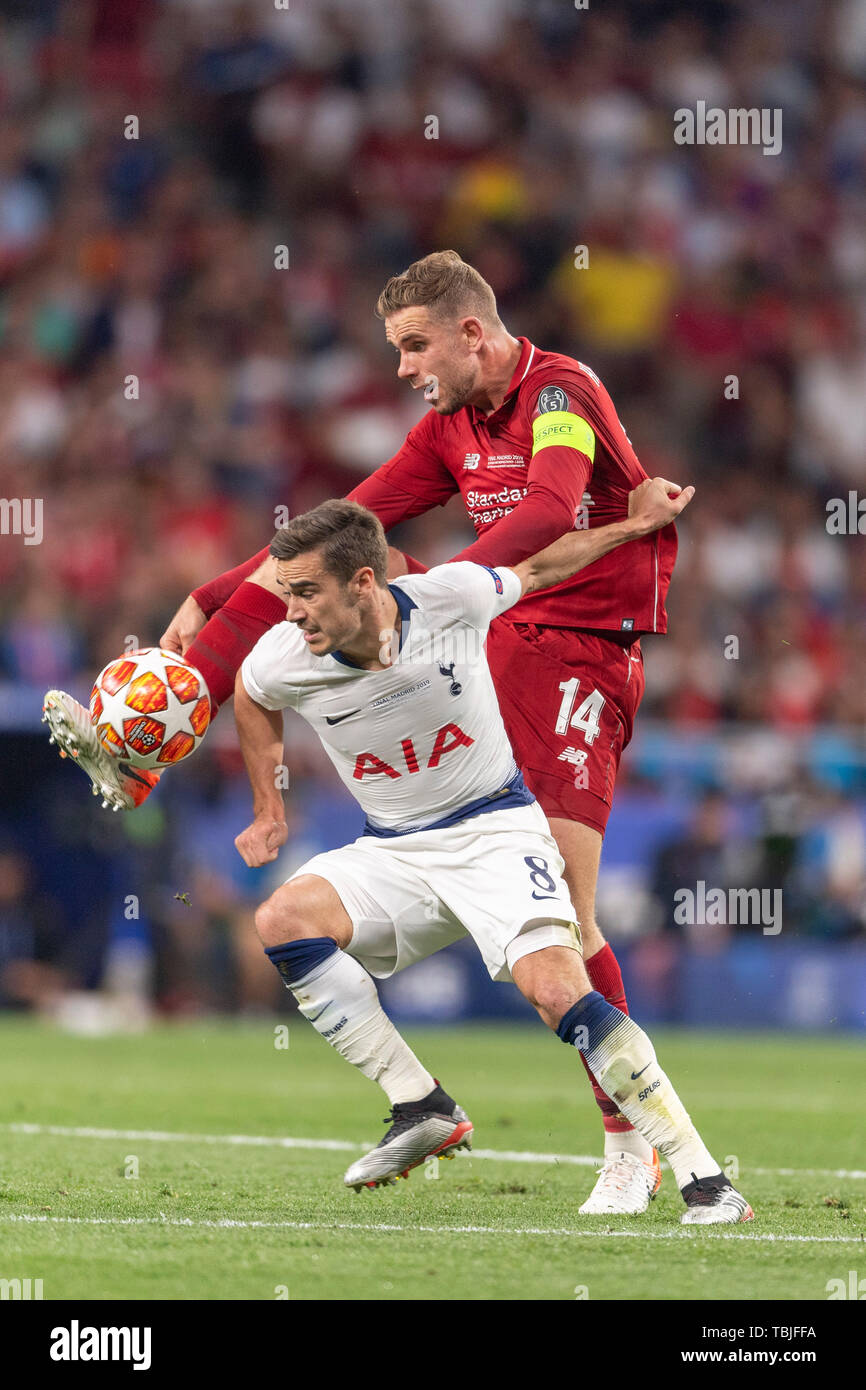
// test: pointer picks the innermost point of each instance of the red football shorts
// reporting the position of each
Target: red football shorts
(568, 702)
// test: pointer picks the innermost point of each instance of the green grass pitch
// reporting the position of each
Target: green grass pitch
(185, 1214)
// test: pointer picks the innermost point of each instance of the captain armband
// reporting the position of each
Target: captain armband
(562, 427)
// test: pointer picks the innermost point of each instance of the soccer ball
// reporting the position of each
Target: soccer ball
(150, 708)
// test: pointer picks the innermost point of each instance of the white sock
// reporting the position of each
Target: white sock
(629, 1142)
(624, 1062)
(340, 1000)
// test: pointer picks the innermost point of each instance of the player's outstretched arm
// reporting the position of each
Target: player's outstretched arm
(184, 627)
(653, 504)
(261, 738)
(201, 605)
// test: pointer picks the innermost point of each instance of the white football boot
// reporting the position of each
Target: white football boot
(121, 786)
(625, 1187)
(417, 1130)
(714, 1202)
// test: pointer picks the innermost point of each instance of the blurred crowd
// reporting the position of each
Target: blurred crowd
(163, 385)
(200, 200)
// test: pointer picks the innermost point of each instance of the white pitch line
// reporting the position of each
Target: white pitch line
(172, 1136)
(390, 1228)
(521, 1156)
(346, 1146)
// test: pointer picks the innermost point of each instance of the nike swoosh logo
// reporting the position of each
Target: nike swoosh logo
(311, 1018)
(129, 771)
(545, 897)
(338, 718)
(636, 1074)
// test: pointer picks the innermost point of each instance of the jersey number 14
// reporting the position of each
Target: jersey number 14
(586, 717)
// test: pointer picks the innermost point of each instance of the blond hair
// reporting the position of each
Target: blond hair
(444, 283)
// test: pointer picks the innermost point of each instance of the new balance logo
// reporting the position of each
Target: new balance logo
(578, 756)
(471, 460)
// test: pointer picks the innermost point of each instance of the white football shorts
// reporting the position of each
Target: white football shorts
(496, 877)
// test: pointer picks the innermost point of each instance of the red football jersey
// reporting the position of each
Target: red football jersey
(554, 457)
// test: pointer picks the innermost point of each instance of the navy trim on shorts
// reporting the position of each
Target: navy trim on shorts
(516, 793)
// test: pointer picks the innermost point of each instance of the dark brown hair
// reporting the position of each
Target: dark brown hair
(446, 284)
(348, 535)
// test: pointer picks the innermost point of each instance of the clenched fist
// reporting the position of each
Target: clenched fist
(656, 502)
(260, 843)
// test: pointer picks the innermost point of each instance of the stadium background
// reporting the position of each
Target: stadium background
(305, 128)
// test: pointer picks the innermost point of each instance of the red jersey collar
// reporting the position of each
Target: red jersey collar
(524, 362)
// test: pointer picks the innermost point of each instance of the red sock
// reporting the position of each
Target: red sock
(605, 976)
(230, 635)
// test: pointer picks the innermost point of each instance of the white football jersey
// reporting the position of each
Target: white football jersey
(420, 744)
